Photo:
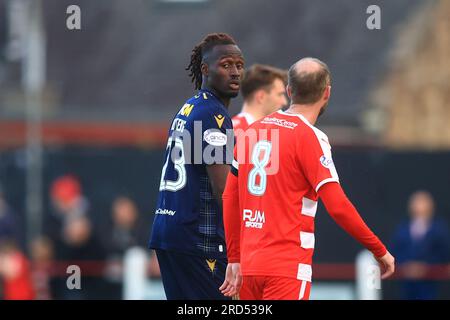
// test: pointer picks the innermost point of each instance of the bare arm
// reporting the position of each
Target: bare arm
(218, 176)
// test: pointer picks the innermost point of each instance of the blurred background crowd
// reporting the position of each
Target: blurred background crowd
(84, 117)
(70, 237)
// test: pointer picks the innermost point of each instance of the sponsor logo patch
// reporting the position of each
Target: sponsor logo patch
(186, 109)
(215, 138)
(279, 122)
(325, 161)
(165, 212)
(254, 219)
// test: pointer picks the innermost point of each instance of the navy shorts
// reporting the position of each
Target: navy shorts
(189, 277)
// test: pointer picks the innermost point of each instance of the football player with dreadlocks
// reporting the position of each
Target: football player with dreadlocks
(188, 233)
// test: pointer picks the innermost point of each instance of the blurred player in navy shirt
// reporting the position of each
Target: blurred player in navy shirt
(188, 233)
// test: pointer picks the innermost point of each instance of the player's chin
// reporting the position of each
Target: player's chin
(233, 93)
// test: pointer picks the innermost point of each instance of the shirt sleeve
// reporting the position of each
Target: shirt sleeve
(347, 217)
(231, 218)
(235, 165)
(314, 152)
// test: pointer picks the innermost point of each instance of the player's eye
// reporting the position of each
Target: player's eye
(240, 66)
(226, 65)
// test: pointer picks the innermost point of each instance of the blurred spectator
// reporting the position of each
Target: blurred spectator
(15, 273)
(66, 193)
(42, 261)
(8, 226)
(68, 228)
(125, 232)
(80, 243)
(418, 244)
(81, 247)
(68, 203)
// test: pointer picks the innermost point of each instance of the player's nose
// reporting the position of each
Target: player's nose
(234, 72)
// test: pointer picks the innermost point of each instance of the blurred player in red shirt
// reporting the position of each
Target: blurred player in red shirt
(271, 197)
(264, 91)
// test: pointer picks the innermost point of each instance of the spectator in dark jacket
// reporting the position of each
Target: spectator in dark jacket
(418, 244)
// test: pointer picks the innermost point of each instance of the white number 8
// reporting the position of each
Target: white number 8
(259, 168)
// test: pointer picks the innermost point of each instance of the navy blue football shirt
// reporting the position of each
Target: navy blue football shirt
(187, 216)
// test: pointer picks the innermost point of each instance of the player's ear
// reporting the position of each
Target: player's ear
(204, 69)
(327, 93)
(288, 91)
(259, 95)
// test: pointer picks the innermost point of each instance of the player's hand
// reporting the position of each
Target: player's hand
(387, 265)
(233, 280)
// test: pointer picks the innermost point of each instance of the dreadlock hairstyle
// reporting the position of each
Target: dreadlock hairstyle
(209, 42)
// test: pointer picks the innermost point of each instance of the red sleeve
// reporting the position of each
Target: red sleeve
(231, 218)
(347, 217)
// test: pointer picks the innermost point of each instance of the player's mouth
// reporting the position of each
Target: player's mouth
(234, 85)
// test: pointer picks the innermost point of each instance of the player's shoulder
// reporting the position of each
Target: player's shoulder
(315, 132)
(201, 99)
(240, 121)
(205, 100)
(303, 127)
(204, 104)
(238, 118)
(205, 108)
(237, 122)
(282, 119)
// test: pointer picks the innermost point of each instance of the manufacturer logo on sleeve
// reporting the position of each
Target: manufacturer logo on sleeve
(219, 119)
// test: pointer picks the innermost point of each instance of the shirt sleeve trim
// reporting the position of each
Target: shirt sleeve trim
(321, 183)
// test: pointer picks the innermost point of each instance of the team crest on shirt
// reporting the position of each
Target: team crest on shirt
(325, 161)
(219, 119)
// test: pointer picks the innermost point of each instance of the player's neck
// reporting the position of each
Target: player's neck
(310, 112)
(253, 110)
(224, 100)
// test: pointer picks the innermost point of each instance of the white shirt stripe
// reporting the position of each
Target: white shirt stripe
(309, 207)
(307, 240)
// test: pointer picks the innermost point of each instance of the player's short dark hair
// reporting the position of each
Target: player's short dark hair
(260, 76)
(308, 87)
(199, 51)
